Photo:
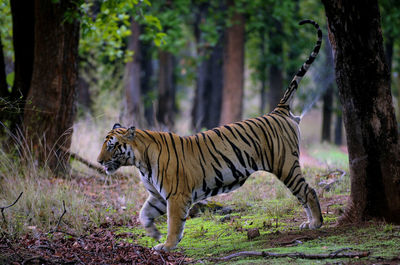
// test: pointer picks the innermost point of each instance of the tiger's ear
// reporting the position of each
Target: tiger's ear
(117, 125)
(130, 133)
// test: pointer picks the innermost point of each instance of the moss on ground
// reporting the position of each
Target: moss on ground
(214, 235)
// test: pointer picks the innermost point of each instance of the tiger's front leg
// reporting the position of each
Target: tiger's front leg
(177, 210)
(152, 208)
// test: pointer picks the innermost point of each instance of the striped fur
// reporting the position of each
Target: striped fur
(178, 171)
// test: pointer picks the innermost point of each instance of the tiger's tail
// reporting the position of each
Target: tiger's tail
(287, 99)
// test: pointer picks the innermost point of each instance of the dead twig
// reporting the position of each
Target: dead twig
(58, 224)
(90, 164)
(295, 241)
(6, 207)
(40, 258)
(59, 219)
(297, 255)
(162, 258)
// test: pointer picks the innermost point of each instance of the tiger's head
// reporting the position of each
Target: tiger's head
(117, 149)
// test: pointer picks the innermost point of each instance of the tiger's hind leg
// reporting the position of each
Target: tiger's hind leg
(152, 208)
(307, 197)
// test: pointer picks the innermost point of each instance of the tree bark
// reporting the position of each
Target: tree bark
(233, 70)
(23, 23)
(364, 87)
(50, 108)
(166, 90)
(275, 70)
(133, 108)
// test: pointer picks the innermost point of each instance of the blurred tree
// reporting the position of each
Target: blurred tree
(233, 69)
(327, 80)
(49, 111)
(133, 107)
(3, 82)
(338, 124)
(147, 88)
(364, 88)
(23, 40)
(208, 23)
(276, 64)
(390, 10)
(166, 89)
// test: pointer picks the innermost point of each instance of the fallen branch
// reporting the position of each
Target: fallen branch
(59, 219)
(90, 164)
(58, 224)
(297, 255)
(327, 185)
(6, 207)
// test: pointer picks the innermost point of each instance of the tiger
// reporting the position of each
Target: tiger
(178, 171)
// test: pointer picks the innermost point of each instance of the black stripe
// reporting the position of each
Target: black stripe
(198, 145)
(242, 137)
(218, 173)
(177, 162)
(212, 155)
(230, 129)
(237, 151)
(183, 151)
(217, 132)
(155, 207)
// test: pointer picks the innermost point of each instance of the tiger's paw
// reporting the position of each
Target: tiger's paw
(310, 225)
(164, 247)
(153, 232)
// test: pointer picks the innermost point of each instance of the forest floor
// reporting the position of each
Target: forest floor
(100, 226)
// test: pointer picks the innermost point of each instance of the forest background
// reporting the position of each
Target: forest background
(69, 70)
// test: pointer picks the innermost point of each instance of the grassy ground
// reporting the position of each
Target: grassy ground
(94, 202)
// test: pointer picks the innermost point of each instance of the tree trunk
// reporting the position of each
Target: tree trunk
(263, 72)
(233, 70)
(50, 109)
(206, 110)
(275, 70)
(328, 79)
(327, 114)
(338, 128)
(364, 87)
(133, 109)
(166, 90)
(23, 22)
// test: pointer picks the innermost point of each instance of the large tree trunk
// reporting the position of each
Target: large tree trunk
(50, 110)
(364, 87)
(233, 70)
(166, 90)
(133, 109)
(23, 41)
(206, 110)
(275, 70)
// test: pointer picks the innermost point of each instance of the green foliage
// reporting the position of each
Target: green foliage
(6, 28)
